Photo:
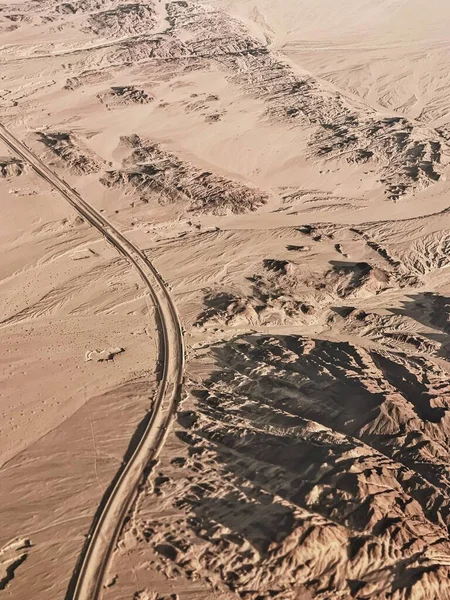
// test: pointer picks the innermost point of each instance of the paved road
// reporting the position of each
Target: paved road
(89, 576)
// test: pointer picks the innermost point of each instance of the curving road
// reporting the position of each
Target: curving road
(89, 576)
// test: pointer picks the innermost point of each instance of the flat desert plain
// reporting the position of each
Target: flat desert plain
(225, 300)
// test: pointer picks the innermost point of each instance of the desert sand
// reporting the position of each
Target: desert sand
(225, 300)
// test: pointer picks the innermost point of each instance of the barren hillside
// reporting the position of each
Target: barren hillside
(267, 184)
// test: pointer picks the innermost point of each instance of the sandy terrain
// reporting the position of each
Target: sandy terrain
(274, 177)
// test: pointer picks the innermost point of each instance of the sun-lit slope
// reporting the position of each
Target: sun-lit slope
(394, 54)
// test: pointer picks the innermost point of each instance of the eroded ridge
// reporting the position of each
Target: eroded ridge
(312, 467)
(407, 156)
(149, 168)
